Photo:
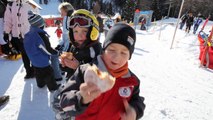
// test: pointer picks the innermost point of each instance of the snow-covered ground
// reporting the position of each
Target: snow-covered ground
(174, 86)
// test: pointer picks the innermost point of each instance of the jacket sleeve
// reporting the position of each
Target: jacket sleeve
(98, 49)
(47, 46)
(200, 21)
(7, 20)
(137, 102)
(61, 42)
(70, 99)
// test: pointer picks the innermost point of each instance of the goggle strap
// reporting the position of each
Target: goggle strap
(96, 26)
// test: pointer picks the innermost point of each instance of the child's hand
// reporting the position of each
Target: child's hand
(89, 91)
(71, 63)
(130, 113)
(62, 61)
(67, 59)
(65, 55)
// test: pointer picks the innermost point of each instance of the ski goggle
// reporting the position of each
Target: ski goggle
(81, 21)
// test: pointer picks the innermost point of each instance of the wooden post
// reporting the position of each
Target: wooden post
(177, 23)
(160, 28)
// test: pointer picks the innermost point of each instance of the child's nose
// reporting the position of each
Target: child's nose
(81, 35)
(116, 57)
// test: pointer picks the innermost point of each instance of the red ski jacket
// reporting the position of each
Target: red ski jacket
(109, 105)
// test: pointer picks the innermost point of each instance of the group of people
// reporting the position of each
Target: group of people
(190, 20)
(43, 1)
(80, 48)
(109, 22)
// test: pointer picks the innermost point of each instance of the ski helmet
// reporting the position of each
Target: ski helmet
(84, 18)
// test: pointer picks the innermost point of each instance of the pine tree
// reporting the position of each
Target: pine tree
(108, 10)
(156, 8)
(128, 10)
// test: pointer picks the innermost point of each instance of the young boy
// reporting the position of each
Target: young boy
(83, 34)
(66, 9)
(39, 51)
(85, 101)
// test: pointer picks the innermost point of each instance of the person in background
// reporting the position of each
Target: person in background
(16, 24)
(33, 6)
(183, 20)
(198, 21)
(38, 48)
(66, 9)
(5, 49)
(143, 24)
(100, 21)
(85, 100)
(108, 24)
(58, 31)
(118, 19)
(189, 22)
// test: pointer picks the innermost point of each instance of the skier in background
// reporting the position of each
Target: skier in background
(198, 21)
(183, 20)
(189, 22)
(143, 23)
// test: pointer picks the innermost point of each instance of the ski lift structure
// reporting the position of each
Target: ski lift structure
(142, 15)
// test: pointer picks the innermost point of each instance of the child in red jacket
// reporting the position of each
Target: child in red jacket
(85, 100)
(58, 30)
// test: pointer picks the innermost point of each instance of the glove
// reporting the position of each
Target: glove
(6, 37)
(57, 53)
(14, 51)
(59, 47)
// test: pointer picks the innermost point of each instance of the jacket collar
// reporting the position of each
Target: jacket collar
(36, 29)
(101, 65)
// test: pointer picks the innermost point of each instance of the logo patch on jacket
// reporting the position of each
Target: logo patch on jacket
(124, 92)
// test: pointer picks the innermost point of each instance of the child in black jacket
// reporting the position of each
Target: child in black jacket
(83, 34)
